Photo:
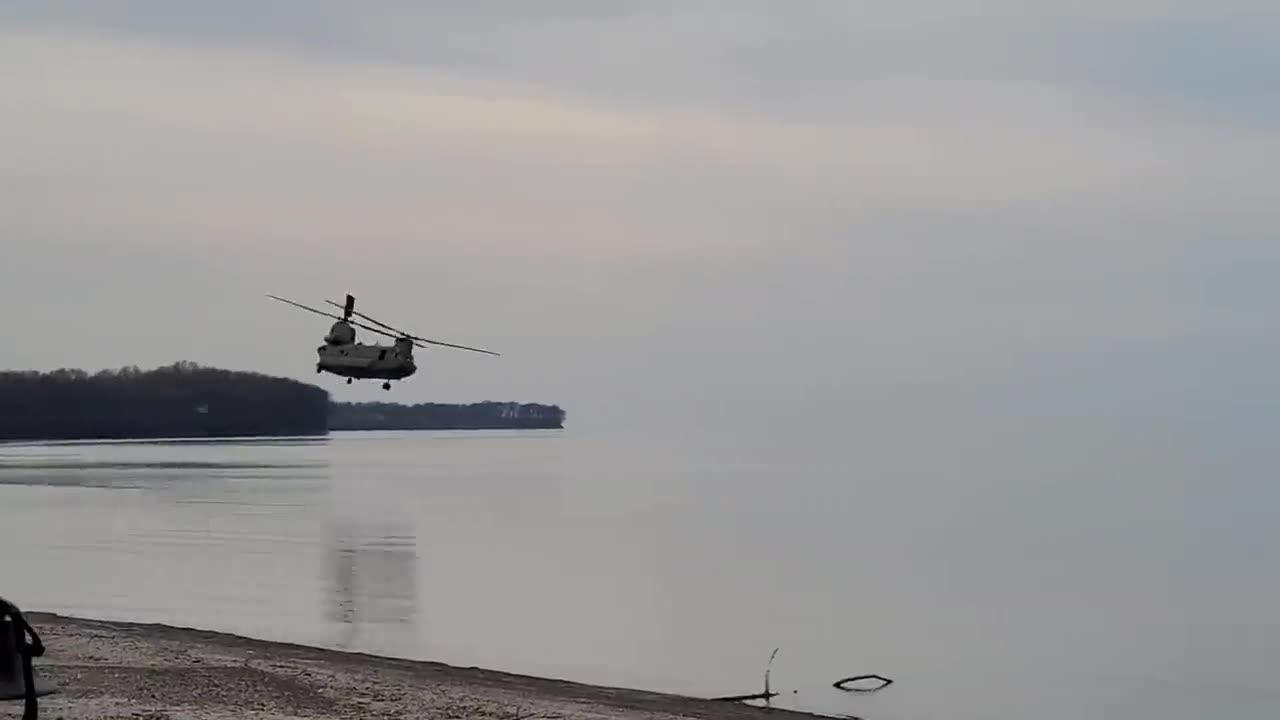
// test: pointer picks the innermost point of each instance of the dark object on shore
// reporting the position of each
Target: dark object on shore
(19, 643)
(846, 682)
(436, 416)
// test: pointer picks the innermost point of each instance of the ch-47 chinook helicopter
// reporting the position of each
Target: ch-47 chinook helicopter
(343, 356)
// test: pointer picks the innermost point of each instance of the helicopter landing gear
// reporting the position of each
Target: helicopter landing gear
(348, 381)
(386, 386)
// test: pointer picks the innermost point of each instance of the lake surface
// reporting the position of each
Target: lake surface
(988, 583)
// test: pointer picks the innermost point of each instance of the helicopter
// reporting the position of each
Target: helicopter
(341, 355)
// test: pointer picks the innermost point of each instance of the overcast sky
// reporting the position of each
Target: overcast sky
(694, 209)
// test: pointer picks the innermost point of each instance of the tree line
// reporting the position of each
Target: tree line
(189, 400)
(179, 400)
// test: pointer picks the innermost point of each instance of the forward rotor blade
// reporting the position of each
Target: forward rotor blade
(304, 307)
(419, 341)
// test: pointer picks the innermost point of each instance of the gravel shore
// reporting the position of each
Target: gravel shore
(155, 672)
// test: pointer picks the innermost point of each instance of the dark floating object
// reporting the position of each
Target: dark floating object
(847, 682)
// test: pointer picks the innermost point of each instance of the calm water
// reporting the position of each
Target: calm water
(989, 584)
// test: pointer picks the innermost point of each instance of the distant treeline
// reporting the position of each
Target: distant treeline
(435, 416)
(188, 400)
(179, 400)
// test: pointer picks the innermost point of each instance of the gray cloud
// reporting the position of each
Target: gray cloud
(672, 203)
(810, 59)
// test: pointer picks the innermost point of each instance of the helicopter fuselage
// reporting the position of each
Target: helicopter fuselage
(342, 356)
(364, 362)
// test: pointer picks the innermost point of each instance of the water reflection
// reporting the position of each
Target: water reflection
(637, 563)
(280, 441)
(158, 465)
(59, 464)
(374, 581)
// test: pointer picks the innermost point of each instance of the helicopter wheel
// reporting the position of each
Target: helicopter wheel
(348, 381)
(386, 386)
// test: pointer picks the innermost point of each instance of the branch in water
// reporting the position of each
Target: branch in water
(767, 695)
(742, 698)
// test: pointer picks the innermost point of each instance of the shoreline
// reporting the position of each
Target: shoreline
(107, 668)
(230, 439)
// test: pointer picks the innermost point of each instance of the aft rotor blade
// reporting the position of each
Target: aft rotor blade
(304, 307)
(419, 341)
(379, 323)
(366, 328)
(337, 317)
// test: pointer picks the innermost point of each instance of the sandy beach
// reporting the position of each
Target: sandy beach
(125, 670)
